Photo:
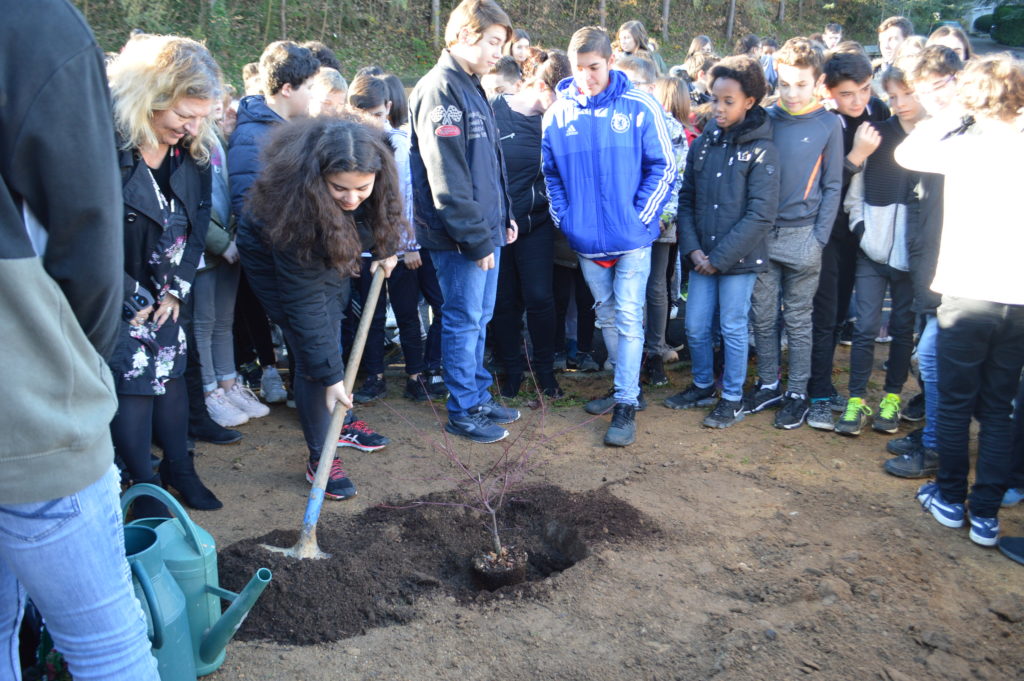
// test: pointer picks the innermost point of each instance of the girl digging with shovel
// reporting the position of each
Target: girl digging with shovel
(328, 192)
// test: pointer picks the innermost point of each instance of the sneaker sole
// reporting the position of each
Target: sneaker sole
(893, 429)
(791, 426)
(912, 419)
(982, 541)
(718, 424)
(362, 448)
(328, 495)
(475, 438)
(610, 443)
(910, 475)
(764, 405)
(845, 430)
(691, 405)
(821, 425)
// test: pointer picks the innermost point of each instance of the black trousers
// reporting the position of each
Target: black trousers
(252, 328)
(981, 354)
(835, 286)
(568, 280)
(525, 282)
(872, 281)
(403, 289)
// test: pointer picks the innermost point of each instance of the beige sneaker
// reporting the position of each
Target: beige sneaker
(223, 412)
(245, 400)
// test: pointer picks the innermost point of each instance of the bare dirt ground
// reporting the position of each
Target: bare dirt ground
(781, 555)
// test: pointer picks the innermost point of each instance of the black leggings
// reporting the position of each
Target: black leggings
(142, 418)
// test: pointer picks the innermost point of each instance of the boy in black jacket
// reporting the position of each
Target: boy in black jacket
(848, 81)
(463, 208)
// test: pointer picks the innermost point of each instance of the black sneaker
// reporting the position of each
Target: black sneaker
(474, 425)
(359, 435)
(793, 412)
(584, 362)
(887, 420)
(416, 390)
(560, 361)
(435, 385)
(656, 371)
(692, 397)
(759, 398)
(602, 405)
(820, 415)
(339, 487)
(915, 409)
(549, 387)
(846, 333)
(904, 445)
(725, 414)
(917, 463)
(373, 388)
(852, 420)
(622, 431)
(510, 385)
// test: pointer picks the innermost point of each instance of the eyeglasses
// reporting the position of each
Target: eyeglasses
(931, 88)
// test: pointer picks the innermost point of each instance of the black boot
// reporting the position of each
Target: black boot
(549, 385)
(182, 476)
(511, 384)
(148, 507)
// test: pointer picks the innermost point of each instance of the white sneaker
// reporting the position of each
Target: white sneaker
(223, 412)
(271, 387)
(245, 401)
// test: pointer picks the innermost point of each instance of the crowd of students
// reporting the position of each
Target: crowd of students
(772, 184)
(780, 183)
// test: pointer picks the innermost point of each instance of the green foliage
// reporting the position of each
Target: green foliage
(1004, 10)
(983, 24)
(396, 34)
(1009, 29)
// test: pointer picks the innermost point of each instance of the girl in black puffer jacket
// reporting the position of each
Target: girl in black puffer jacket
(726, 207)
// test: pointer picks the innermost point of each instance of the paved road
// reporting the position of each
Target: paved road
(985, 45)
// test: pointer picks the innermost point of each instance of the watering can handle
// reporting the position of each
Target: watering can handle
(155, 614)
(166, 498)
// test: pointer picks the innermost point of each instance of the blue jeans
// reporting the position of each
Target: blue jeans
(731, 295)
(620, 292)
(928, 365)
(67, 555)
(468, 306)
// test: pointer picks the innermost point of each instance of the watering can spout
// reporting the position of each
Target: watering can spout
(216, 639)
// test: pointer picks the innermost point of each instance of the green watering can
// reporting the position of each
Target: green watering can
(189, 554)
(163, 603)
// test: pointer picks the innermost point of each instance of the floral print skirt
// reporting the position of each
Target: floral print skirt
(147, 357)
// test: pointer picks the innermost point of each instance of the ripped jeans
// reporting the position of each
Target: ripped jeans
(620, 292)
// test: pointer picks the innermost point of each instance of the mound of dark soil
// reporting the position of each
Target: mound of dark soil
(384, 558)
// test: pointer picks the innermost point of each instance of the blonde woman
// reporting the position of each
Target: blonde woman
(164, 89)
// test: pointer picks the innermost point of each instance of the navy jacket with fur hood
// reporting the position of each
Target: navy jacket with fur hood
(730, 194)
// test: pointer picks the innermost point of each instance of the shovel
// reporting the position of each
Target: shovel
(307, 547)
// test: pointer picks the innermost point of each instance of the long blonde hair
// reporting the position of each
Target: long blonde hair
(154, 72)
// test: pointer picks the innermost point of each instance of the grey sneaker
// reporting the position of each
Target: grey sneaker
(622, 431)
(499, 414)
(272, 387)
(726, 413)
(474, 425)
(602, 405)
(820, 415)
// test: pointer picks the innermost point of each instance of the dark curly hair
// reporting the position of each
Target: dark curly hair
(291, 200)
(745, 71)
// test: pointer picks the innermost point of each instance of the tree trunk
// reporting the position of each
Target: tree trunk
(266, 26)
(603, 9)
(731, 22)
(323, 27)
(666, 9)
(781, 17)
(284, 21)
(799, 10)
(435, 21)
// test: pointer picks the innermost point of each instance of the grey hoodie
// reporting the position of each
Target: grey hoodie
(811, 169)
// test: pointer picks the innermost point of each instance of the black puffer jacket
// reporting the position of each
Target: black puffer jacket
(520, 141)
(730, 194)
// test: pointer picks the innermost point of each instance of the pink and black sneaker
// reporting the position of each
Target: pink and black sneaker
(339, 487)
(359, 435)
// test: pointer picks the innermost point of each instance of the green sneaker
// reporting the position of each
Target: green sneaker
(888, 418)
(853, 417)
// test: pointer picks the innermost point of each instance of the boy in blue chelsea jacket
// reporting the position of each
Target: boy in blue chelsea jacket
(609, 169)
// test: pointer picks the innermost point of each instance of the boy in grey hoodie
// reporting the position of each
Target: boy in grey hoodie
(810, 140)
